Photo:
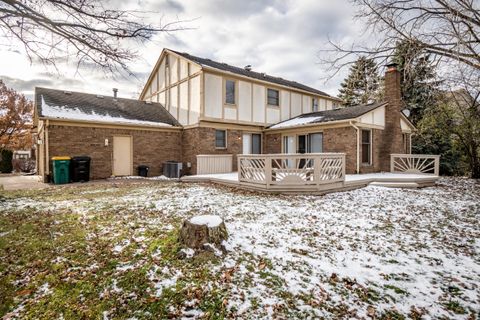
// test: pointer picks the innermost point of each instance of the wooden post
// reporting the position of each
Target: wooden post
(239, 167)
(268, 171)
(344, 166)
(437, 165)
(317, 165)
(392, 163)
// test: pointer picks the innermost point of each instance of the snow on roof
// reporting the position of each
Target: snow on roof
(64, 112)
(296, 122)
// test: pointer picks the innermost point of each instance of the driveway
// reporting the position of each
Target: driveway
(17, 182)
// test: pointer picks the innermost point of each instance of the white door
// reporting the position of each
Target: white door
(122, 156)
(247, 143)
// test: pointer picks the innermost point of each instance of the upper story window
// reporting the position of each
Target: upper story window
(230, 91)
(314, 104)
(273, 97)
(220, 139)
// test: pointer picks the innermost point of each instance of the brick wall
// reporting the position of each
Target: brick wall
(342, 140)
(201, 140)
(150, 148)
(272, 143)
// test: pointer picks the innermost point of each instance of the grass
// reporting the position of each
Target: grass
(96, 251)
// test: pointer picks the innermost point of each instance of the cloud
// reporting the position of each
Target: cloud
(279, 37)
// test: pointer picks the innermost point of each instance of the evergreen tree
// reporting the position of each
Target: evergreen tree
(418, 78)
(362, 84)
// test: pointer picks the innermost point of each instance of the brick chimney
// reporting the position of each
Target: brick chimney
(392, 134)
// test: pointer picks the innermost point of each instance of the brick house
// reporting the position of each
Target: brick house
(192, 108)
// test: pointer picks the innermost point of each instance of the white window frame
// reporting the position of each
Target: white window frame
(234, 93)
(370, 150)
(315, 107)
(278, 99)
(225, 144)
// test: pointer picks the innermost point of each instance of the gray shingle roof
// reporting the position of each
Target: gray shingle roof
(328, 115)
(85, 106)
(250, 74)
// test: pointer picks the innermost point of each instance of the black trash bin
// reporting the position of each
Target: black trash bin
(80, 169)
(143, 170)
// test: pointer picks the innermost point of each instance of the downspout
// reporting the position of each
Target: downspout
(47, 155)
(358, 145)
(410, 142)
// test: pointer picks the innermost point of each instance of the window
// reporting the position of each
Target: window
(273, 97)
(366, 146)
(314, 104)
(230, 91)
(220, 139)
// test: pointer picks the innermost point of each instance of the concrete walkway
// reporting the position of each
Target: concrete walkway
(18, 182)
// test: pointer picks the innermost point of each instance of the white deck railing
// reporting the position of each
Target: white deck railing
(415, 163)
(214, 163)
(285, 171)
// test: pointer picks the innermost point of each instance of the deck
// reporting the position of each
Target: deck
(352, 181)
(313, 173)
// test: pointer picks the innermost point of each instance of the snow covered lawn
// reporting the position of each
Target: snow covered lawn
(110, 251)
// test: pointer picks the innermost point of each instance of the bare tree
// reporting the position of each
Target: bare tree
(85, 31)
(445, 29)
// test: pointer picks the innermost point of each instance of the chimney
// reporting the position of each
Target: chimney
(248, 67)
(115, 91)
(392, 134)
(393, 90)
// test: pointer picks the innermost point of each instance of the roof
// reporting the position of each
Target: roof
(59, 104)
(250, 74)
(346, 113)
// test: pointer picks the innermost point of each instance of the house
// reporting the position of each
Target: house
(204, 113)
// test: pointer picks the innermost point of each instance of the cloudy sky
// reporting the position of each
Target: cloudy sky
(280, 37)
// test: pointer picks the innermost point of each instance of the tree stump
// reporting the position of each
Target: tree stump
(200, 230)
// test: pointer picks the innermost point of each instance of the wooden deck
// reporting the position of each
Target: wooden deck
(352, 181)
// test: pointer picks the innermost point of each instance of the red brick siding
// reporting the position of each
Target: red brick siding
(150, 148)
(201, 140)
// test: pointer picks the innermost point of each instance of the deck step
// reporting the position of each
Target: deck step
(396, 184)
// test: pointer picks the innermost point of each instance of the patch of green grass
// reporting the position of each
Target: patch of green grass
(396, 289)
(391, 315)
(455, 307)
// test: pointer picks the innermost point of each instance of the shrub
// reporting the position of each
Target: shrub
(6, 161)
(23, 165)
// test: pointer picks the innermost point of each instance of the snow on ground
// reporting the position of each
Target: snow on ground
(372, 251)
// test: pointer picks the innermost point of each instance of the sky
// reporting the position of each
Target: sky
(283, 38)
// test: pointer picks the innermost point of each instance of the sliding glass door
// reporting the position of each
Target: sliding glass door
(315, 143)
(252, 143)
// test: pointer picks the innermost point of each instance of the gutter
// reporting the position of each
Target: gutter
(357, 129)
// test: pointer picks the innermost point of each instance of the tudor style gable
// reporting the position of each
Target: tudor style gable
(175, 82)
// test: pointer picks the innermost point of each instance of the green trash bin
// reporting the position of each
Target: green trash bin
(61, 170)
